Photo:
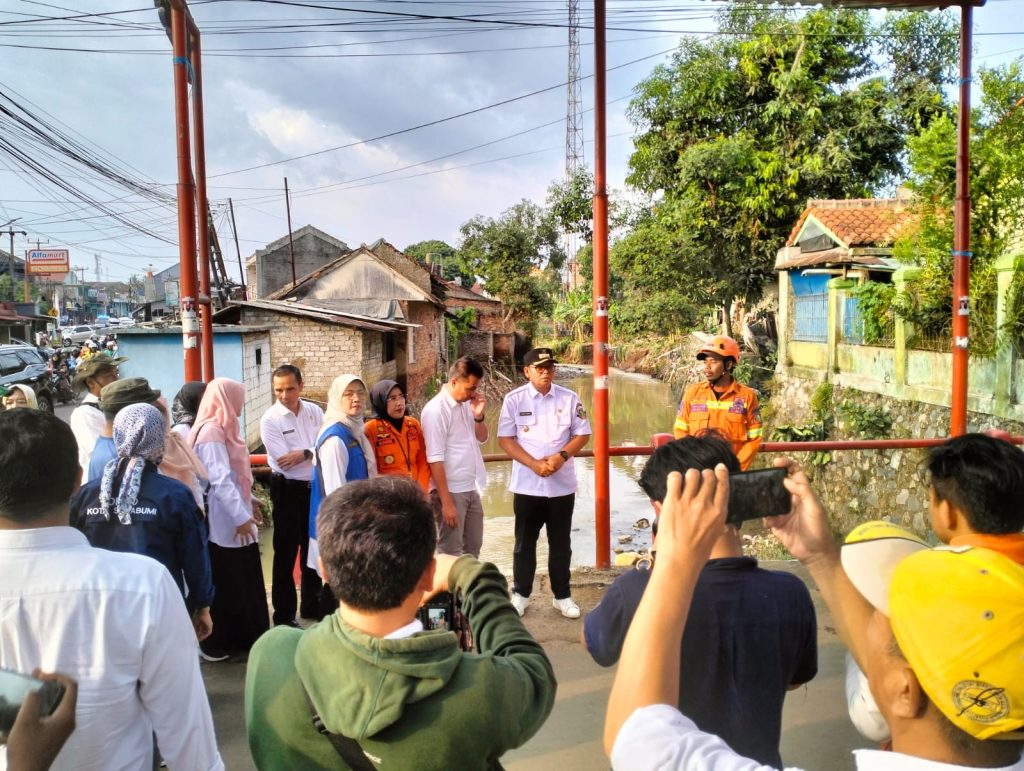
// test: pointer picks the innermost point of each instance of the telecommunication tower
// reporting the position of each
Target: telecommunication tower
(574, 100)
(573, 131)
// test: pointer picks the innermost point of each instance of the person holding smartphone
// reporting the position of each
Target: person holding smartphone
(37, 736)
(751, 635)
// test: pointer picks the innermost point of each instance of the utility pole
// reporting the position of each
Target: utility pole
(39, 246)
(241, 271)
(10, 257)
(291, 247)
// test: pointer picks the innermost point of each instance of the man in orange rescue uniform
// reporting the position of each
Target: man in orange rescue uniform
(721, 403)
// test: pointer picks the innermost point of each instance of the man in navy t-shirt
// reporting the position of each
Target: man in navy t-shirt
(751, 634)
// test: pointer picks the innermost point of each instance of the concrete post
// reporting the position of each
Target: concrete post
(836, 290)
(1005, 392)
(903, 329)
(782, 359)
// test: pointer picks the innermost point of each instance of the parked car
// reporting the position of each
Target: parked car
(78, 334)
(23, 365)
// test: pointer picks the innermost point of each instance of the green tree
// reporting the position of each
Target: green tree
(571, 203)
(737, 133)
(519, 258)
(997, 212)
(443, 253)
(575, 311)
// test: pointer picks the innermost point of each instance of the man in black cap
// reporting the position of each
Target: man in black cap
(542, 426)
(114, 397)
(87, 420)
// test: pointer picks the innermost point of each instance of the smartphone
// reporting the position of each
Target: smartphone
(14, 687)
(756, 494)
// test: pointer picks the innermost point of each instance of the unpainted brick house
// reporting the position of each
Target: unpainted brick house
(368, 311)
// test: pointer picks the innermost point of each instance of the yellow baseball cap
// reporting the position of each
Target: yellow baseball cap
(958, 616)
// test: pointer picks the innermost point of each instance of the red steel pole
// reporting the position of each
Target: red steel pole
(186, 197)
(203, 208)
(962, 234)
(599, 420)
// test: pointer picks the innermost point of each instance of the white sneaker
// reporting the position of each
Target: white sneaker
(520, 603)
(567, 607)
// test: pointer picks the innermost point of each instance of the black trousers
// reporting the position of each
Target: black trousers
(290, 500)
(532, 513)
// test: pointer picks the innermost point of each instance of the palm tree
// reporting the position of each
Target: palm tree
(574, 310)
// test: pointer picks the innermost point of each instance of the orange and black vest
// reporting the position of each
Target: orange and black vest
(402, 452)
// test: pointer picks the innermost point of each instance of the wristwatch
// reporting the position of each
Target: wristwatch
(480, 419)
(307, 454)
(564, 454)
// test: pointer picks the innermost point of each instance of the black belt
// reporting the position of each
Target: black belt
(292, 482)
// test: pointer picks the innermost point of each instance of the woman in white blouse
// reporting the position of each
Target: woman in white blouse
(342, 454)
(239, 608)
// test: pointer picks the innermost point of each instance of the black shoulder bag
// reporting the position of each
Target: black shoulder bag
(347, 748)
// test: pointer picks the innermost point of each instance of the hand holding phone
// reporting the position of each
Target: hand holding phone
(757, 494)
(43, 720)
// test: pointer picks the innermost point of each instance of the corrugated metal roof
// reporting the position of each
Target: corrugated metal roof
(327, 315)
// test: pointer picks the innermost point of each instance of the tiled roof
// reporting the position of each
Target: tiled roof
(860, 221)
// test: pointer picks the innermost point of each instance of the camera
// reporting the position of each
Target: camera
(443, 612)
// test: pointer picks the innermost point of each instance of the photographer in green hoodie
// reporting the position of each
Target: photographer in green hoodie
(410, 698)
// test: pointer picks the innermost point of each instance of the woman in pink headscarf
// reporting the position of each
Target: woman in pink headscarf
(239, 608)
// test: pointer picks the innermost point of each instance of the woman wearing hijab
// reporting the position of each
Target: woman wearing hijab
(20, 396)
(133, 508)
(180, 460)
(239, 607)
(185, 406)
(342, 452)
(396, 438)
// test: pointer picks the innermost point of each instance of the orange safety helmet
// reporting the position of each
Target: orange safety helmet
(721, 345)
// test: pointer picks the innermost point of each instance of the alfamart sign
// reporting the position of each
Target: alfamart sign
(46, 261)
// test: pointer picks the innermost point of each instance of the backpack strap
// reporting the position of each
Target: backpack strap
(347, 748)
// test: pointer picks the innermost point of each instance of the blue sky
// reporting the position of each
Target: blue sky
(269, 105)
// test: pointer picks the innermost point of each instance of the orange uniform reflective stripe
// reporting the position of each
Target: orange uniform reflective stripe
(736, 416)
(403, 453)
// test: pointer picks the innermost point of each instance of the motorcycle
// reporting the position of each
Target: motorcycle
(60, 386)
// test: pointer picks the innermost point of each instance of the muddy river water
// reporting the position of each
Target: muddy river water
(639, 407)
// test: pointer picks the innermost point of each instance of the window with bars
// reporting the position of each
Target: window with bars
(810, 318)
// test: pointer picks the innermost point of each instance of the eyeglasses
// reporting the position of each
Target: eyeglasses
(396, 398)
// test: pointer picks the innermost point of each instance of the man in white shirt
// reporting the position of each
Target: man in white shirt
(542, 426)
(454, 429)
(939, 635)
(289, 430)
(87, 421)
(115, 622)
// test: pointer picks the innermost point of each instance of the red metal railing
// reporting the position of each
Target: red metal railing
(788, 447)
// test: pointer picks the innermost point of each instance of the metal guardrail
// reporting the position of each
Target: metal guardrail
(791, 447)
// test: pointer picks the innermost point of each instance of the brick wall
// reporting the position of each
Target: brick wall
(275, 268)
(426, 345)
(490, 316)
(256, 370)
(322, 351)
(401, 262)
(373, 368)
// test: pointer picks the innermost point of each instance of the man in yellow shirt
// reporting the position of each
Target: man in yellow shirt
(721, 403)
